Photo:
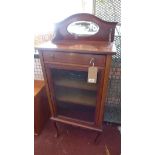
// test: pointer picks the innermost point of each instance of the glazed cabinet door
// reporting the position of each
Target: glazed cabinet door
(72, 96)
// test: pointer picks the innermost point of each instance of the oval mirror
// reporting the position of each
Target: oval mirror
(83, 28)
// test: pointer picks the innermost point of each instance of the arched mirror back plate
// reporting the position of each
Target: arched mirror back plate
(84, 26)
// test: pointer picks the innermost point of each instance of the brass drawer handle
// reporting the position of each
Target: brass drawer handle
(92, 61)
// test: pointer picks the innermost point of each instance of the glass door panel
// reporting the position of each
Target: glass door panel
(74, 96)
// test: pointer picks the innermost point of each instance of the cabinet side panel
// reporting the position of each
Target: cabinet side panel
(99, 95)
(52, 109)
(103, 89)
(51, 87)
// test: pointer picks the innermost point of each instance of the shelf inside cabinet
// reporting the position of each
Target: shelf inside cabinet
(75, 83)
(76, 111)
(76, 96)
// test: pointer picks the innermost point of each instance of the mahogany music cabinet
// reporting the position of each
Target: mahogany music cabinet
(76, 65)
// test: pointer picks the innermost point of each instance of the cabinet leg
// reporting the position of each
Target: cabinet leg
(56, 128)
(97, 136)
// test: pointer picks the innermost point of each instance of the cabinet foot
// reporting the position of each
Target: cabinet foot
(97, 136)
(56, 128)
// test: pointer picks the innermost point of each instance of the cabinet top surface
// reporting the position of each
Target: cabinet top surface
(92, 47)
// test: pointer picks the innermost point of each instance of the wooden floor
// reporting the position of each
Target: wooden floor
(77, 141)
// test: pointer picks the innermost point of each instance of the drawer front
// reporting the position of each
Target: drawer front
(74, 58)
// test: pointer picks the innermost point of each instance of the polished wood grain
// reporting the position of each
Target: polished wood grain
(73, 58)
(69, 66)
(99, 94)
(103, 89)
(87, 47)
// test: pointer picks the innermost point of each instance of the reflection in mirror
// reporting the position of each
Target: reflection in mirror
(83, 28)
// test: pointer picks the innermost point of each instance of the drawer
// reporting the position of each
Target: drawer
(74, 58)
